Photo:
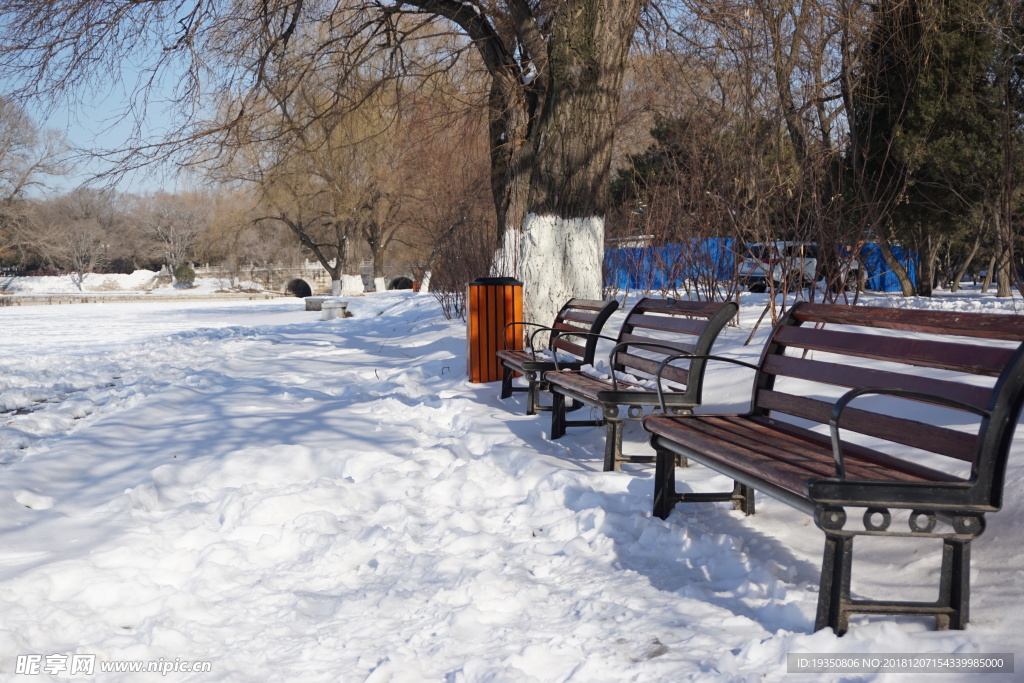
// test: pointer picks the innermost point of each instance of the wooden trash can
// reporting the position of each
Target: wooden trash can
(491, 304)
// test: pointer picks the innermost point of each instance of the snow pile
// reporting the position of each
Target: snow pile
(290, 499)
(112, 283)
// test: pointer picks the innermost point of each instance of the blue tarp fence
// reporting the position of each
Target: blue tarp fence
(668, 266)
(713, 259)
(879, 277)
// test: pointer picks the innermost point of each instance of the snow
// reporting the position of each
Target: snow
(286, 498)
(141, 281)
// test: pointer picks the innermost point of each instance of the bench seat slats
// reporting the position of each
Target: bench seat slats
(785, 459)
(591, 388)
(919, 352)
(523, 360)
(848, 376)
(902, 431)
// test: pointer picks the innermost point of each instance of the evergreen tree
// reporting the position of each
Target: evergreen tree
(927, 118)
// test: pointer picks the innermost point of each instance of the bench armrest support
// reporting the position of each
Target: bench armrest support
(524, 324)
(691, 356)
(845, 399)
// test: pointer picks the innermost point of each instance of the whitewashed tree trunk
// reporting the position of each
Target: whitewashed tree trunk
(379, 284)
(351, 285)
(336, 287)
(425, 283)
(560, 258)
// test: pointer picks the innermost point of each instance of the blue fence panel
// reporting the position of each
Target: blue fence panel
(665, 267)
(668, 266)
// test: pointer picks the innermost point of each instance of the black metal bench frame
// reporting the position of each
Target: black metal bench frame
(791, 464)
(690, 328)
(578, 317)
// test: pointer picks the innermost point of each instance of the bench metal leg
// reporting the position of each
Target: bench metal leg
(834, 593)
(557, 415)
(664, 484)
(742, 498)
(613, 445)
(835, 604)
(506, 382)
(955, 584)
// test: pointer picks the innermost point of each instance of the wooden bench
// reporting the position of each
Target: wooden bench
(946, 392)
(653, 330)
(578, 318)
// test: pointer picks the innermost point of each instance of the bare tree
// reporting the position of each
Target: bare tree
(555, 69)
(28, 157)
(174, 224)
(75, 231)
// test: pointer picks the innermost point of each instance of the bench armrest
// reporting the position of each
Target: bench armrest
(524, 324)
(691, 356)
(845, 399)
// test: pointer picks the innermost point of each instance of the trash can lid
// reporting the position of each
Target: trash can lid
(495, 281)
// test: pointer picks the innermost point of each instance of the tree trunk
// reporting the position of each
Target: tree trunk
(987, 280)
(927, 255)
(1002, 257)
(562, 245)
(511, 112)
(906, 286)
(962, 271)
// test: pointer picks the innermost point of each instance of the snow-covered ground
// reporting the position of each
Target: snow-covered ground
(244, 487)
(139, 282)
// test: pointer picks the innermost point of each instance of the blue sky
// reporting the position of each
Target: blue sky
(96, 121)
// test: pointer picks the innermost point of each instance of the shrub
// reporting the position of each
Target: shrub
(184, 275)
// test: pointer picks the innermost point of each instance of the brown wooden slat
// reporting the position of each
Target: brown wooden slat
(861, 453)
(789, 472)
(561, 344)
(852, 376)
(902, 431)
(640, 341)
(569, 327)
(802, 450)
(704, 309)
(982, 325)
(585, 320)
(591, 304)
(510, 356)
(979, 360)
(672, 373)
(588, 386)
(787, 438)
(786, 459)
(665, 323)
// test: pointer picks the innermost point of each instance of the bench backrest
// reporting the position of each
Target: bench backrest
(818, 351)
(682, 326)
(580, 315)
